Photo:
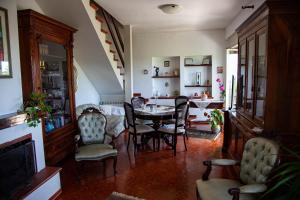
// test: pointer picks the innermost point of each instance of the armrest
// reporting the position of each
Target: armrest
(76, 139)
(111, 138)
(247, 189)
(253, 188)
(216, 162)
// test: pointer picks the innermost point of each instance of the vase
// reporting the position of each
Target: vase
(216, 129)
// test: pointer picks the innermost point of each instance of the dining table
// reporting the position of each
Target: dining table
(156, 113)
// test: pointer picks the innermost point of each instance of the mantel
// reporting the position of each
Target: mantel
(11, 119)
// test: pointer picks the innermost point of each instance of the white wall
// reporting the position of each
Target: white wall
(11, 88)
(86, 92)
(186, 43)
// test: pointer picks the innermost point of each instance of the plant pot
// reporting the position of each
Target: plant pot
(216, 129)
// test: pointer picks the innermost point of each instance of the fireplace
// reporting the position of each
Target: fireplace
(18, 165)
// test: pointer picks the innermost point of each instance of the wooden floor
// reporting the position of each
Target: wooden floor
(150, 175)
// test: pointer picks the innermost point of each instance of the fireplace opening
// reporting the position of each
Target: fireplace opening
(17, 167)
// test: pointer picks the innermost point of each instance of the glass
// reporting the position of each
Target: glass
(242, 79)
(261, 76)
(54, 75)
(250, 67)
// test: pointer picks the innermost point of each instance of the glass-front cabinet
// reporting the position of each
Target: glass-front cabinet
(46, 54)
(252, 75)
(54, 78)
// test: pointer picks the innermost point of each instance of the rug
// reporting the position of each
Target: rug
(121, 196)
(203, 132)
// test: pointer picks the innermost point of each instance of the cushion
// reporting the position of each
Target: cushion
(217, 189)
(141, 129)
(95, 152)
(115, 125)
(259, 157)
(142, 121)
(92, 128)
(170, 129)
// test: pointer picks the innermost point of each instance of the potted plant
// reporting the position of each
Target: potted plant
(35, 108)
(216, 119)
(286, 179)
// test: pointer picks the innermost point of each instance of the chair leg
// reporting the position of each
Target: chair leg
(153, 140)
(128, 141)
(158, 142)
(115, 164)
(135, 143)
(186, 135)
(175, 144)
(184, 141)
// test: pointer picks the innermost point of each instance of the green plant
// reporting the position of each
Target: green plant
(286, 179)
(216, 118)
(35, 108)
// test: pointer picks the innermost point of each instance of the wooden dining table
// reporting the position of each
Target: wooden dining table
(156, 114)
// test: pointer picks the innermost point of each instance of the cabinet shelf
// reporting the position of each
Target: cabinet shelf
(197, 65)
(165, 76)
(197, 86)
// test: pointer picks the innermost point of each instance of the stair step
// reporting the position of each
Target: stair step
(116, 59)
(108, 42)
(94, 5)
(122, 74)
(99, 19)
(119, 67)
(104, 31)
(112, 51)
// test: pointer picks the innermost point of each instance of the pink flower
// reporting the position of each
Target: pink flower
(222, 88)
(218, 80)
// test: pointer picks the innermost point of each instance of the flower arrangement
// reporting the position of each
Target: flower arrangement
(216, 119)
(222, 88)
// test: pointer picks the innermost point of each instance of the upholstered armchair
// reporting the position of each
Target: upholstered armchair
(115, 117)
(260, 155)
(90, 144)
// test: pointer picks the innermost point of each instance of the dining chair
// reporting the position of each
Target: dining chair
(178, 100)
(90, 144)
(139, 102)
(178, 128)
(136, 129)
(260, 156)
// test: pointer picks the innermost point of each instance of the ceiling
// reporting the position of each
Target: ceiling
(144, 15)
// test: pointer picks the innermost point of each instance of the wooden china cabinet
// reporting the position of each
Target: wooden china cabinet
(268, 76)
(46, 53)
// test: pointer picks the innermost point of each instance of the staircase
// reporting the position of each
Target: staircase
(109, 31)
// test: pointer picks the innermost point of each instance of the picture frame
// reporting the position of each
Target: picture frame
(206, 61)
(188, 61)
(5, 57)
(166, 63)
(220, 69)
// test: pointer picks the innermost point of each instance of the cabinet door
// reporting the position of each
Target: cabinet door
(242, 75)
(249, 74)
(54, 76)
(261, 75)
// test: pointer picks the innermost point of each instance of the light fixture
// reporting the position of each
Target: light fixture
(170, 8)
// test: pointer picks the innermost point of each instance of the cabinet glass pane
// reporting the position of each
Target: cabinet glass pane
(250, 67)
(242, 78)
(261, 76)
(53, 64)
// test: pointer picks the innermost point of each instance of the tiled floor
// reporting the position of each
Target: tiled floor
(150, 175)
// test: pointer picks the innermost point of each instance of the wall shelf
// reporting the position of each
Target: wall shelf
(165, 76)
(197, 86)
(197, 65)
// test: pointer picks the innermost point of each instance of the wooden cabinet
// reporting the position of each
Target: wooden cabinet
(47, 66)
(268, 75)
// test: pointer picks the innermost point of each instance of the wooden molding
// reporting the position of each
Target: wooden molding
(12, 119)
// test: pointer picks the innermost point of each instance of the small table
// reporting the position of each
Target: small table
(156, 115)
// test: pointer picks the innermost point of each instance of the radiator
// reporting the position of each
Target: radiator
(112, 100)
